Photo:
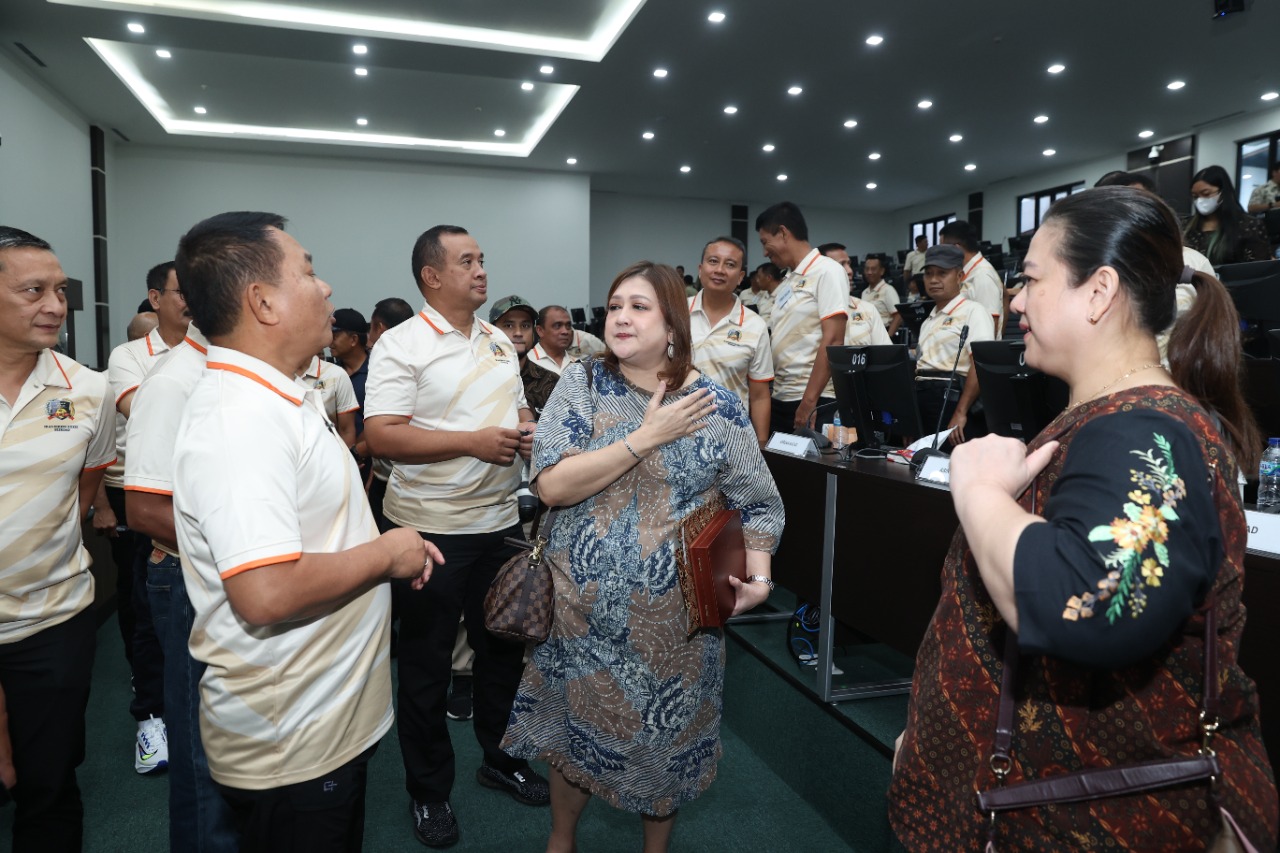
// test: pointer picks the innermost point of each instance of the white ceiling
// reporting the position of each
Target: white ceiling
(444, 76)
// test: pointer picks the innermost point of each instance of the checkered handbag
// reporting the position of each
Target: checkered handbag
(521, 600)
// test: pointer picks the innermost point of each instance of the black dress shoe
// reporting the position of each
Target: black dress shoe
(434, 824)
(523, 785)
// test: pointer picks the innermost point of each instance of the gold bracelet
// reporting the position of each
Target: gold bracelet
(631, 449)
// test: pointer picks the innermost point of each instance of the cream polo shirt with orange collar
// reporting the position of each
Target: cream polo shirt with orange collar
(818, 288)
(260, 478)
(126, 368)
(980, 282)
(735, 352)
(884, 296)
(157, 411)
(940, 334)
(61, 425)
(337, 395)
(583, 345)
(864, 327)
(443, 378)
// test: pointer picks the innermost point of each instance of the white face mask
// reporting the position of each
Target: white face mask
(1206, 206)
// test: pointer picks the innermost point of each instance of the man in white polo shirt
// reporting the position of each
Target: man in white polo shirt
(808, 316)
(979, 280)
(282, 561)
(56, 440)
(559, 342)
(445, 403)
(730, 343)
(337, 395)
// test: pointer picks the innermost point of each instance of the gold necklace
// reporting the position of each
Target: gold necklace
(1100, 391)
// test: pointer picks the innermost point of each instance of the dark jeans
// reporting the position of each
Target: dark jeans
(46, 686)
(782, 414)
(322, 815)
(129, 551)
(428, 629)
(199, 820)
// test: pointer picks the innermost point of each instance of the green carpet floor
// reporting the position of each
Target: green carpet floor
(793, 778)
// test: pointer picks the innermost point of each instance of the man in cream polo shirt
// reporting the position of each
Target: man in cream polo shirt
(808, 316)
(337, 395)
(979, 280)
(730, 343)
(56, 440)
(559, 343)
(445, 403)
(282, 561)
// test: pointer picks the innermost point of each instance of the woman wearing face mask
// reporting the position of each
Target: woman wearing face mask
(1220, 229)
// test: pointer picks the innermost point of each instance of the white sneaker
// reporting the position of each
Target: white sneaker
(153, 746)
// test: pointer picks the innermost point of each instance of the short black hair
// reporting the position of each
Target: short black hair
(547, 309)
(219, 257)
(392, 311)
(963, 233)
(827, 248)
(16, 238)
(144, 306)
(923, 237)
(732, 241)
(427, 250)
(1120, 178)
(784, 213)
(158, 275)
(771, 269)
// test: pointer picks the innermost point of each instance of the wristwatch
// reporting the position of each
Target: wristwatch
(761, 579)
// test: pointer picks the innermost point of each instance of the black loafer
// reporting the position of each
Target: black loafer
(523, 785)
(434, 824)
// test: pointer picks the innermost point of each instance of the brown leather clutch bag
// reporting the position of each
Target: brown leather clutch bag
(712, 549)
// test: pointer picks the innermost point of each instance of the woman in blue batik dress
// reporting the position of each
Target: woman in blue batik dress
(620, 701)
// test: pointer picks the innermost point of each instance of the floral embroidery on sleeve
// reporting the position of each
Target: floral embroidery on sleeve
(1141, 554)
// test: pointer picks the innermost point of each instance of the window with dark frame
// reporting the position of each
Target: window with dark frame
(929, 228)
(1032, 207)
(1254, 157)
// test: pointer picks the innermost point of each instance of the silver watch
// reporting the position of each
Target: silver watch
(761, 579)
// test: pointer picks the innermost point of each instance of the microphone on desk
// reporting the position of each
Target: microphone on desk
(922, 456)
(820, 441)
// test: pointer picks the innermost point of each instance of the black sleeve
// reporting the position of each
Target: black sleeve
(1254, 243)
(1131, 545)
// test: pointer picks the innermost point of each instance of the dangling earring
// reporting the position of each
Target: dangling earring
(671, 350)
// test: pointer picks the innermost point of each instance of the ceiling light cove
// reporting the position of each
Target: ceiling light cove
(875, 41)
(546, 36)
(955, 137)
(730, 110)
(767, 147)
(794, 90)
(686, 169)
(716, 17)
(1056, 68)
(924, 105)
(135, 27)
(648, 134)
(1146, 134)
(1176, 85)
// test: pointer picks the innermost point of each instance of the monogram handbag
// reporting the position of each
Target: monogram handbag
(521, 600)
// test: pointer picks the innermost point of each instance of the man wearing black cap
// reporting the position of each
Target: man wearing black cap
(516, 317)
(940, 343)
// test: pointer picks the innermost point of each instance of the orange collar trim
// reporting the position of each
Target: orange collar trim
(249, 374)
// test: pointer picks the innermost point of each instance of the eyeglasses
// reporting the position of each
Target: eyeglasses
(181, 295)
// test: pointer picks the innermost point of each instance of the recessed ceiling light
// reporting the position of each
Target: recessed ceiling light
(648, 134)
(871, 185)
(874, 155)
(572, 161)
(527, 86)
(1056, 68)
(924, 105)
(767, 147)
(715, 17)
(135, 27)
(1175, 85)
(730, 110)
(875, 40)
(1246, 177)
(362, 72)
(499, 132)
(201, 111)
(1049, 152)
(794, 90)
(1271, 96)
(1146, 134)
(686, 169)
(955, 137)
(782, 177)
(164, 54)
(547, 69)
(969, 167)
(1040, 119)
(659, 72)
(359, 49)
(850, 123)
(362, 121)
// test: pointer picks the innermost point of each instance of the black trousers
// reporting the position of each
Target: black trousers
(323, 815)
(428, 629)
(129, 551)
(46, 686)
(782, 414)
(933, 402)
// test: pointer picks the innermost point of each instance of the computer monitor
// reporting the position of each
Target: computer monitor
(902, 257)
(1019, 245)
(597, 311)
(1017, 400)
(995, 258)
(1255, 290)
(914, 313)
(876, 393)
(578, 315)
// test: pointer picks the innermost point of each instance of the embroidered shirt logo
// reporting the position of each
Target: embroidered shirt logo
(734, 336)
(499, 353)
(63, 410)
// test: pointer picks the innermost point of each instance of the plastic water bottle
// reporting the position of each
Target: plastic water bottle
(837, 441)
(1269, 477)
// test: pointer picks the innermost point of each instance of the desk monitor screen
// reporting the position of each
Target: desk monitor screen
(876, 393)
(1019, 245)
(1255, 290)
(578, 315)
(914, 313)
(598, 312)
(1018, 401)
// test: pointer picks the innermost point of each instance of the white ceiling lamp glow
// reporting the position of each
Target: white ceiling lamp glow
(782, 177)
(794, 90)
(875, 41)
(363, 122)
(730, 110)
(362, 72)
(767, 148)
(135, 27)
(200, 111)
(648, 134)
(872, 185)
(499, 133)
(1146, 134)
(1040, 119)
(969, 167)
(527, 86)
(1271, 96)
(686, 169)
(1176, 85)
(359, 49)
(924, 105)
(874, 155)
(572, 161)
(850, 124)
(1049, 152)
(659, 73)
(955, 137)
(164, 54)
(547, 69)
(1056, 68)
(716, 17)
